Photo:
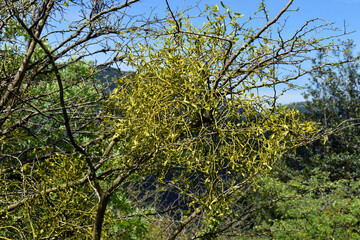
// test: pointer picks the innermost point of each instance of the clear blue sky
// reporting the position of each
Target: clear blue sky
(334, 11)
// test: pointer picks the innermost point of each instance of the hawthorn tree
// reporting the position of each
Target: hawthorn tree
(187, 120)
(50, 110)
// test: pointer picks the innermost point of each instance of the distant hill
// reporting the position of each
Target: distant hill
(300, 106)
(109, 75)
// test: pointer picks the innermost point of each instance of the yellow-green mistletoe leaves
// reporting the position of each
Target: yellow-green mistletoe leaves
(178, 113)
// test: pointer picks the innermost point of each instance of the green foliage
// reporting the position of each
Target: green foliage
(334, 90)
(48, 161)
(118, 224)
(312, 208)
(315, 192)
(334, 101)
(43, 128)
(50, 112)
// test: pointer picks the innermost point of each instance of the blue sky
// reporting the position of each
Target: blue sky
(333, 11)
